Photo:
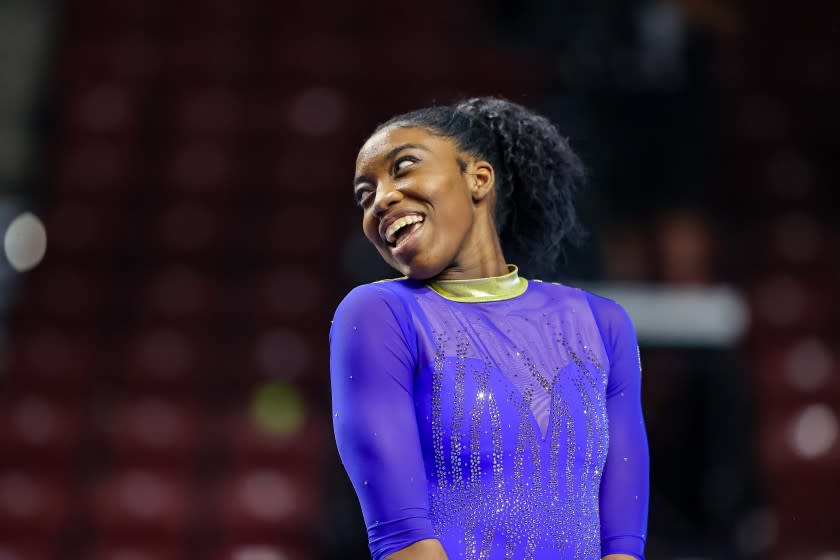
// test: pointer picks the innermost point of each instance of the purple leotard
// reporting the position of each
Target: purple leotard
(500, 416)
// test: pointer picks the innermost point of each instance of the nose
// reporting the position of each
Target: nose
(385, 198)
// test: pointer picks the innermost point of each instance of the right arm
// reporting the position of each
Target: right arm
(372, 363)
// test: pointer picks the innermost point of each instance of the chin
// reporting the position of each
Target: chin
(417, 269)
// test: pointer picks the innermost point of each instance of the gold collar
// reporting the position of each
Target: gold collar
(492, 288)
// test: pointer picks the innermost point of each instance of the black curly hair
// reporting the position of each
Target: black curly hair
(537, 173)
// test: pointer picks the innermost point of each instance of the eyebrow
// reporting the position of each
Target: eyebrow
(389, 156)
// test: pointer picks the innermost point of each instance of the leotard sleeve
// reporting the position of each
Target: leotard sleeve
(625, 480)
(373, 354)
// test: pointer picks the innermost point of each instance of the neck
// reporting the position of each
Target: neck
(478, 259)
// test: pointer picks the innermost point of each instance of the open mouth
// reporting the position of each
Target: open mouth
(406, 234)
(402, 229)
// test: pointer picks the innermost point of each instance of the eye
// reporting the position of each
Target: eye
(362, 195)
(403, 162)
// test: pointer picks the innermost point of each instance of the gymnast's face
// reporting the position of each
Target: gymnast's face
(420, 205)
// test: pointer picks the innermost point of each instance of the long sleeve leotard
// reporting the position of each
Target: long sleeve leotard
(500, 416)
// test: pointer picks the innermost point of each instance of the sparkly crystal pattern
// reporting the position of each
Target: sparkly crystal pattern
(510, 402)
(485, 372)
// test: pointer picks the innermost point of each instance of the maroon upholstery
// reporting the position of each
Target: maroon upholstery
(33, 505)
(146, 506)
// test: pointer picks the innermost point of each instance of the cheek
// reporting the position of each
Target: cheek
(370, 230)
(454, 211)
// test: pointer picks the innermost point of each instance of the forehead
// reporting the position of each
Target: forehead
(385, 140)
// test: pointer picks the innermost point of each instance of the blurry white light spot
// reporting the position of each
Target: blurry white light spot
(317, 111)
(25, 242)
(267, 495)
(813, 431)
(828, 556)
(808, 364)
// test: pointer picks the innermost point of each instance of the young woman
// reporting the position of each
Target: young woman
(478, 414)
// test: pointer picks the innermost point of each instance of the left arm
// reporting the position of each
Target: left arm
(625, 480)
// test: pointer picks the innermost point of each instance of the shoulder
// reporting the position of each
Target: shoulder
(608, 313)
(384, 296)
(616, 327)
(372, 315)
(603, 308)
(610, 316)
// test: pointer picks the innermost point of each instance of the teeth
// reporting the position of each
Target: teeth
(404, 221)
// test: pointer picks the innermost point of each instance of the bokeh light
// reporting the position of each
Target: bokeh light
(813, 431)
(25, 242)
(278, 408)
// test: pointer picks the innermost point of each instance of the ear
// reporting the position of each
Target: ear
(482, 179)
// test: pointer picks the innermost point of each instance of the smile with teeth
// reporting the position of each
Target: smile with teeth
(390, 233)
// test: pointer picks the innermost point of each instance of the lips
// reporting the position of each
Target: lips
(392, 223)
(407, 244)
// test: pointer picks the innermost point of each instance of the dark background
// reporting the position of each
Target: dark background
(163, 369)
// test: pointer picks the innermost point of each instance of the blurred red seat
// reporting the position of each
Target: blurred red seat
(72, 294)
(283, 434)
(793, 240)
(267, 550)
(797, 370)
(297, 231)
(799, 438)
(98, 167)
(162, 358)
(283, 353)
(263, 505)
(152, 431)
(82, 229)
(188, 228)
(208, 110)
(134, 551)
(52, 360)
(36, 549)
(784, 304)
(108, 109)
(807, 506)
(288, 294)
(37, 429)
(177, 294)
(298, 172)
(32, 505)
(95, 17)
(141, 506)
(193, 60)
(125, 58)
(828, 550)
(202, 168)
